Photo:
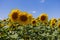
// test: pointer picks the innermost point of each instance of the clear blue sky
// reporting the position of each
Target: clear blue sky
(35, 7)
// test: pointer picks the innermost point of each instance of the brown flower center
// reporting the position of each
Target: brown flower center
(53, 24)
(34, 22)
(15, 15)
(23, 18)
(43, 18)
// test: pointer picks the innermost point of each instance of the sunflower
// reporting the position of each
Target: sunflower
(58, 24)
(53, 22)
(34, 22)
(23, 18)
(54, 19)
(43, 17)
(13, 16)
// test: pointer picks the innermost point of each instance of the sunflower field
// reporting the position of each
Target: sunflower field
(23, 26)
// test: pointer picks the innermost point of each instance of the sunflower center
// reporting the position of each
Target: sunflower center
(53, 24)
(43, 18)
(23, 18)
(15, 15)
(34, 22)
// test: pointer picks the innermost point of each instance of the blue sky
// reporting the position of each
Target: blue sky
(34, 7)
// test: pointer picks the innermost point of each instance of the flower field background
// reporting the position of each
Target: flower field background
(23, 26)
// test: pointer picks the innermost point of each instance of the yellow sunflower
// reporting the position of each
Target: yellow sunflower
(54, 19)
(43, 17)
(13, 16)
(23, 18)
(58, 24)
(34, 22)
(53, 22)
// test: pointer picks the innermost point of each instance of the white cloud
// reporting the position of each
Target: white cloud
(33, 11)
(42, 1)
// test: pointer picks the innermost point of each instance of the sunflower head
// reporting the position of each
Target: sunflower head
(23, 18)
(54, 19)
(43, 17)
(53, 22)
(34, 22)
(13, 16)
(58, 24)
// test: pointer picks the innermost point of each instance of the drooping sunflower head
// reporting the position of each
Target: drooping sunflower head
(53, 22)
(23, 18)
(13, 16)
(43, 17)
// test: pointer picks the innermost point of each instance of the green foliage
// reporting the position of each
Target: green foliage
(28, 32)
